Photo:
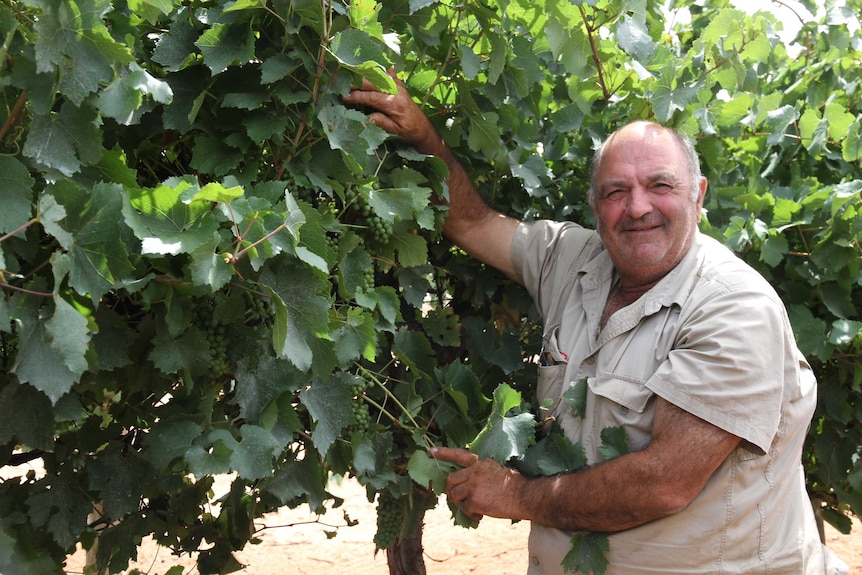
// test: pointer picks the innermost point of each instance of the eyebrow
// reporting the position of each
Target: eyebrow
(666, 175)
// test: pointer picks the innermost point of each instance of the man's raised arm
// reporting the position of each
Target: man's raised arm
(479, 230)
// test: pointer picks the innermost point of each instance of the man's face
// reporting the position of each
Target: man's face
(644, 207)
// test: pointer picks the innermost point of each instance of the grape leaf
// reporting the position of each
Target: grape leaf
(329, 403)
(16, 189)
(164, 223)
(119, 480)
(224, 45)
(262, 379)
(62, 507)
(576, 397)
(587, 554)
(23, 411)
(301, 310)
(349, 130)
(504, 437)
(70, 336)
(615, 442)
(428, 472)
(553, 455)
(38, 362)
(65, 140)
(356, 337)
(169, 439)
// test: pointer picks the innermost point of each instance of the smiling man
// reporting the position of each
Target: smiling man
(676, 339)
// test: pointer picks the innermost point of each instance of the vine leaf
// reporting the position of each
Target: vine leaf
(357, 51)
(300, 310)
(164, 223)
(504, 437)
(587, 554)
(224, 45)
(350, 130)
(66, 140)
(16, 189)
(38, 362)
(615, 442)
(329, 403)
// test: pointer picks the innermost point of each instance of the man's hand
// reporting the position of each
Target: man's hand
(398, 114)
(482, 487)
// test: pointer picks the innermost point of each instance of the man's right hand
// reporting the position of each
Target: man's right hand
(399, 115)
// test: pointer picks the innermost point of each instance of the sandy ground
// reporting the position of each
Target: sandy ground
(294, 543)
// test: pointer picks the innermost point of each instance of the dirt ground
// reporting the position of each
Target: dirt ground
(293, 543)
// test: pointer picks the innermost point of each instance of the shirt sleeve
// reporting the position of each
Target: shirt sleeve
(731, 358)
(545, 255)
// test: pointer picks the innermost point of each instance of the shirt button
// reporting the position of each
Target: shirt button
(590, 360)
(623, 409)
(534, 560)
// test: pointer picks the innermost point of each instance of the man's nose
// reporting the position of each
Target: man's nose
(639, 203)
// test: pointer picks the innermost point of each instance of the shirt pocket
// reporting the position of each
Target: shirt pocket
(623, 401)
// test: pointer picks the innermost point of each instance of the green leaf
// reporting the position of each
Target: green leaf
(73, 40)
(553, 455)
(62, 507)
(252, 457)
(851, 147)
(412, 249)
(357, 51)
(119, 479)
(69, 335)
(576, 397)
(169, 440)
(302, 305)
(504, 437)
(350, 130)
(356, 338)
(261, 380)
(634, 38)
(428, 472)
(23, 413)
(329, 403)
(845, 332)
(16, 189)
(587, 554)
(64, 141)
(164, 223)
(463, 386)
(615, 442)
(225, 45)
(38, 362)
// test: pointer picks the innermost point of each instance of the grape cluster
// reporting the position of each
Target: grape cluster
(389, 518)
(258, 312)
(361, 414)
(215, 335)
(379, 230)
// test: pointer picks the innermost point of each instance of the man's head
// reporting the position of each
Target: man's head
(647, 192)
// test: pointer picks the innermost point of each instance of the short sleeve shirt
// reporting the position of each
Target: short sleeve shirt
(713, 338)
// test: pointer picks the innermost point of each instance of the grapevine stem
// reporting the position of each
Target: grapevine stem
(242, 252)
(397, 402)
(15, 115)
(20, 228)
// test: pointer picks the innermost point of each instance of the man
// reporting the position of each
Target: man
(676, 339)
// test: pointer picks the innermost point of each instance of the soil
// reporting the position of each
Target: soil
(295, 542)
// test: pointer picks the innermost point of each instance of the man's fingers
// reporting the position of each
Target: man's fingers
(460, 457)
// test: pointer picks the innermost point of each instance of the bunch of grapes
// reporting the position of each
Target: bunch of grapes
(215, 335)
(389, 518)
(361, 414)
(379, 230)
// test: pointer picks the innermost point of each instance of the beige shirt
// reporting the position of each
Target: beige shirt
(713, 338)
